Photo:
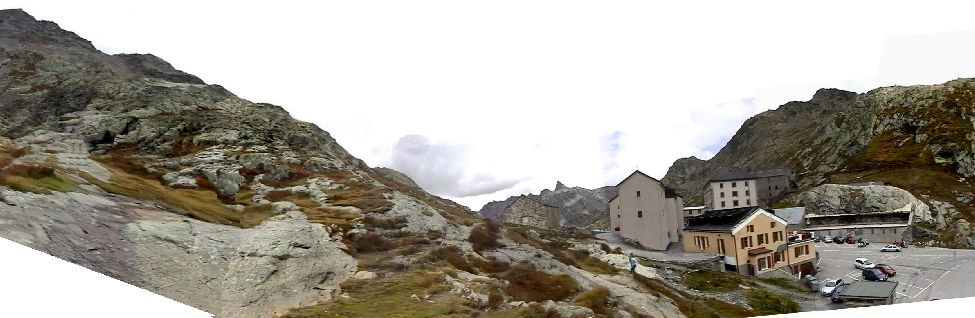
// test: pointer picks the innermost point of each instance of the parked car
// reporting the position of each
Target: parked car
(835, 297)
(829, 286)
(891, 248)
(862, 263)
(850, 240)
(886, 269)
(838, 239)
(873, 274)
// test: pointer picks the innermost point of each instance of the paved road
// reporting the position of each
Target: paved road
(923, 273)
(614, 241)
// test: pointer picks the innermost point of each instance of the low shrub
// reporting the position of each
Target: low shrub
(374, 222)
(529, 284)
(595, 299)
(485, 236)
(370, 242)
(490, 265)
(453, 256)
(495, 299)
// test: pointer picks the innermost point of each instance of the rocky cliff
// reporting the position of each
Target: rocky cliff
(578, 207)
(127, 166)
(917, 138)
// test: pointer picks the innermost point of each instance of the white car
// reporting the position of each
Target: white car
(863, 263)
(891, 248)
(829, 286)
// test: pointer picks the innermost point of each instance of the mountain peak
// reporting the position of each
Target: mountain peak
(559, 185)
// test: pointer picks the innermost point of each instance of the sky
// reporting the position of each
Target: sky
(481, 100)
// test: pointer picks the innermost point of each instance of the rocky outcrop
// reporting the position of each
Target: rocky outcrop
(842, 199)
(577, 206)
(397, 176)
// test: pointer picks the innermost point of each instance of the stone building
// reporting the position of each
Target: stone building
(526, 211)
(885, 226)
(646, 212)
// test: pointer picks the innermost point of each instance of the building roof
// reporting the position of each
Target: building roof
(719, 221)
(727, 174)
(694, 208)
(635, 173)
(668, 192)
(791, 215)
(855, 226)
(871, 289)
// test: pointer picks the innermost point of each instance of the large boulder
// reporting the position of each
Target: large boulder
(837, 199)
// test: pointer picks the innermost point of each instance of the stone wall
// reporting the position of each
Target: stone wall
(529, 212)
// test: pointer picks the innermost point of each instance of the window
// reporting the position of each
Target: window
(744, 242)
(748, 201)
(776, 187)
(734, 194)
(722, 194)
(746, 183)
(771, 224)
(721, 185)
(722, 204)
(720, 246)
(733, 184)
(751, 228)
(748, 193)
(762, 264)
(701, 242)
(735, 202)
(639, 214)
(617, 216)
(805, 250)
(761, 239)
(638, 194)
(776, 236)
(797, 251)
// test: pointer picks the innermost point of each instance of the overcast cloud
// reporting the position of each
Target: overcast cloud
(481, 100)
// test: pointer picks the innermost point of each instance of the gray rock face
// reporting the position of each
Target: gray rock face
(836, 199)
(397, 176)
(577, 206)
(281, 264)
(230, 272)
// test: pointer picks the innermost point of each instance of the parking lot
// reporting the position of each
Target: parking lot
(923, 273)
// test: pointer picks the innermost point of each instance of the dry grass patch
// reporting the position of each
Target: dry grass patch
(344, 219)
(298, 198)
(370, 243)
(596, 300)
(489, 265)
(200, 204)
(357, 192)
(530, 284)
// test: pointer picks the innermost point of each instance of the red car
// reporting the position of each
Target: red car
(886, 269)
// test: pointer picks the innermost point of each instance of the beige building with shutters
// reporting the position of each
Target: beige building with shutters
(752, 241)
(732, 188)
(646, 212)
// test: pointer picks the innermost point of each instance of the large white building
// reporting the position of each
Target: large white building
(646, 212)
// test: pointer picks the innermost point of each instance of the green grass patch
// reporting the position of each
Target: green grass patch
(36, 178)
(390, 297)
(787, 284)
(693, 306)
(713, 281)
(768, 303)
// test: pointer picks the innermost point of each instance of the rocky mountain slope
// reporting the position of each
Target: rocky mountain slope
(578, 207)
(917, 138)
(129, 167)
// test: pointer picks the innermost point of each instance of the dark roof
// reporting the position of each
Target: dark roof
(791, 215)
(728, 174)
(871, 289)
(719, 221)
(725, 174)
(760, 250)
